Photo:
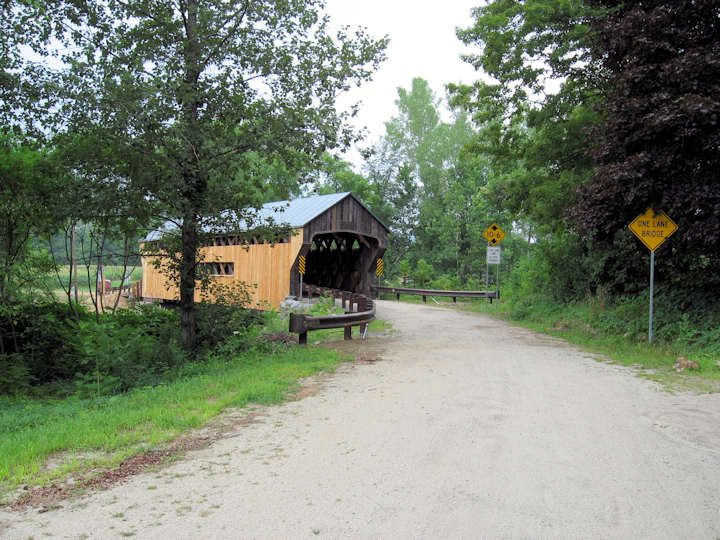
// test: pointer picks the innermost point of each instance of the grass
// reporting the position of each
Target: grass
(84, 434)
(327, 305)
(321, 336)
(113, 273)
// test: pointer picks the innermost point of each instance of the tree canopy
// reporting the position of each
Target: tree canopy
(195, 104)
(659, 143)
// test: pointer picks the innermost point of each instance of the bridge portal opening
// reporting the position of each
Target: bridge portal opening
(341, 260)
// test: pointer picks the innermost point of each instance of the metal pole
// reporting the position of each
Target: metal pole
(497, 277)
(301, 291)
(487, 270)
(652, 291)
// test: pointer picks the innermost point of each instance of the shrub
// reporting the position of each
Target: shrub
(446, 282)
(37, 343)
(43, 343)
(422, 272)
(118, 357)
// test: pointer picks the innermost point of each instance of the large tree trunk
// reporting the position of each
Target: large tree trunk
(195, 187)
(188, 322)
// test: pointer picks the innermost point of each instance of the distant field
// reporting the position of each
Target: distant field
(113, 273)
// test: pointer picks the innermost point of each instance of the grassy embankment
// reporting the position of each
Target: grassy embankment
(617, 331)
(81, 435)
(87, 434)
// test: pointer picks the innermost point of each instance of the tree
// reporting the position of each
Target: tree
(28, 193)
(659, 144)
(535, 115)
(528, 48)
(423, 272)
(190, 102)
(418, 157)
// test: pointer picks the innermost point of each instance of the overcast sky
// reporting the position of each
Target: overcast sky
(422, 44)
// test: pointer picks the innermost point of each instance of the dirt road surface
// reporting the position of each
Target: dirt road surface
(466, 427)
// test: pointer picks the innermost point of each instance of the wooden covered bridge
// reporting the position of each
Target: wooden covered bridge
(339, 237)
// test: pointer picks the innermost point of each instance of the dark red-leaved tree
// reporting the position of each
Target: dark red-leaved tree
(659, 144)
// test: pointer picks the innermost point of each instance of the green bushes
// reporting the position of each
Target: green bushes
(37, 344)
(225, 326)
(45, 349)
(116, 357)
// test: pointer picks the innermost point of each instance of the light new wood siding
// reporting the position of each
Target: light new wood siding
(264, 265)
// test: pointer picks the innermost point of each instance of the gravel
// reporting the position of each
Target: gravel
(454, 426)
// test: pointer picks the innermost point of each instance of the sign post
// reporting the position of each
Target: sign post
(652, 229)
(493, 257)
(494, 235)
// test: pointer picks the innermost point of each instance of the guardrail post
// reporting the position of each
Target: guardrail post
(344, 299)
(298, 326)
(398, 296)
(424, 299)
(454, 299)
(348, 332)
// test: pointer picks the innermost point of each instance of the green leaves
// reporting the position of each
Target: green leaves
(190, 109)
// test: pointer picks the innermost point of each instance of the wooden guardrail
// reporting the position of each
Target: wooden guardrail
(131, 290)
(363, 314)
(397, 291)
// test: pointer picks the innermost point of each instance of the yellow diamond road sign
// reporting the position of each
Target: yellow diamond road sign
(653, 229)
(494, 234)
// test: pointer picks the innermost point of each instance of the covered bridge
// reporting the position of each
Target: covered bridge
(339, 237)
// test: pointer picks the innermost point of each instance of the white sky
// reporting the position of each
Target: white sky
(422, 44)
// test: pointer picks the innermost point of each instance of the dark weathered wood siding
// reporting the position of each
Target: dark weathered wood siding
(347, 215)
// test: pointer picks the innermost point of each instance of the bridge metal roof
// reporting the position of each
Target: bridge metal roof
(295, 213)
(299, 212)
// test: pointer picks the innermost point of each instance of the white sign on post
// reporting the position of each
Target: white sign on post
(493, 254)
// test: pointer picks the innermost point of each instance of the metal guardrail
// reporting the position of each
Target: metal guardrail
(397, 291)
(363, 314)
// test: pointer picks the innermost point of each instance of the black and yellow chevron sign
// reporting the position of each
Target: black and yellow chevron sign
(301, 265)
(380, 268)
(494, 234)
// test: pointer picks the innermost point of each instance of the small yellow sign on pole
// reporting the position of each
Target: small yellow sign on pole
(653, 229)
(301, 265)
(380, 267)
(494, 234)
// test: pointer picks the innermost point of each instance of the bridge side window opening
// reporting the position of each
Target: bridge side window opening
(216, 269)
(243, 240)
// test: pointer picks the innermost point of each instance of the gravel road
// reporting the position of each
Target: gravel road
(466, 427)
